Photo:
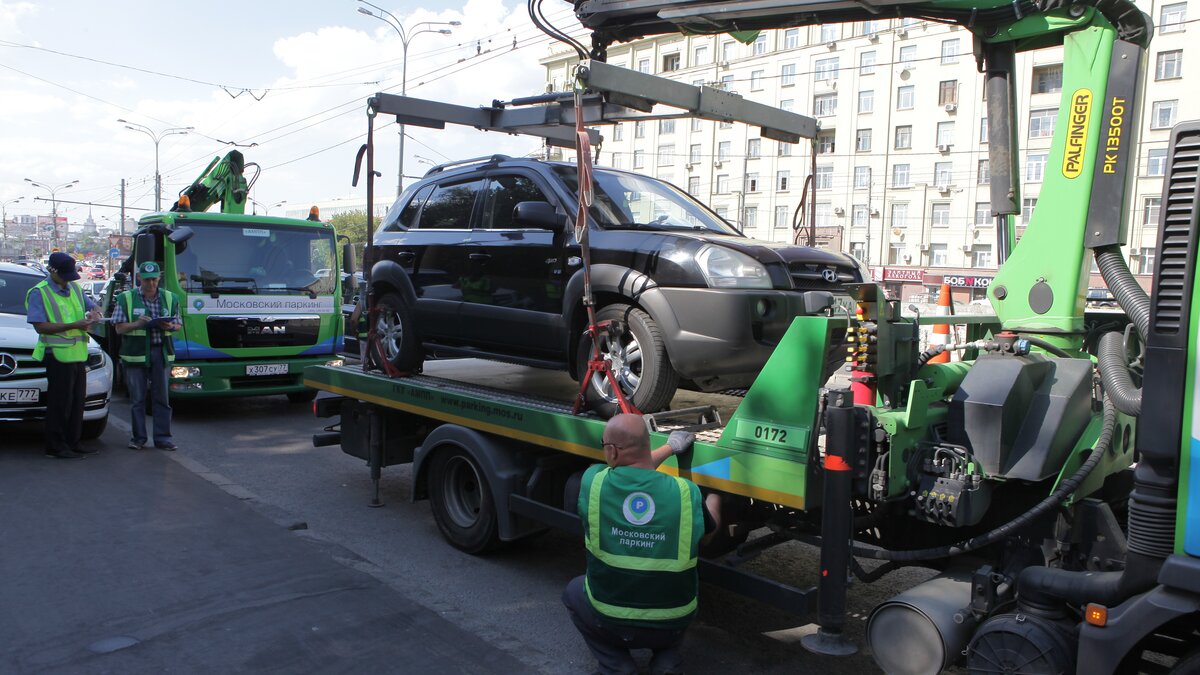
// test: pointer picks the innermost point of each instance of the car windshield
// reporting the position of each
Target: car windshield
(235, 259)
(625, 200)
(13, 288)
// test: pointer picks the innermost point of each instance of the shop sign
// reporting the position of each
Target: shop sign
(903, 274)
(965, 281)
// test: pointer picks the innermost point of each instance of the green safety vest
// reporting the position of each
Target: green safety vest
(69, 346)
(134, 351)
(642, 530)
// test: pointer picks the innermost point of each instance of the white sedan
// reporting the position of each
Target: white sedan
(23, 380)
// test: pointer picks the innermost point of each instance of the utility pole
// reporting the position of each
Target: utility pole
(122, 207)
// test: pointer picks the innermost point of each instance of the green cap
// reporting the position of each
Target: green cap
(149, 270)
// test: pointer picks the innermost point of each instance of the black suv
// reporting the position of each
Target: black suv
(479, 258)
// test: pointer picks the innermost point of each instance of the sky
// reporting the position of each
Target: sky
(292, 76)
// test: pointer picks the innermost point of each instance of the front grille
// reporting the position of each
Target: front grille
(230, 332)
(27, 368)
(1175, 231)
(811, 276)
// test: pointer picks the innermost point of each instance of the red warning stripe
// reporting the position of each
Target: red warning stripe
(835, 463)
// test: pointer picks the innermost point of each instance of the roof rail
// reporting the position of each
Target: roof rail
(490, 159)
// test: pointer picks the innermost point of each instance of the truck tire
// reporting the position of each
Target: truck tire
(462, 501)
(397, 335)
(641, 365)
(93, 428)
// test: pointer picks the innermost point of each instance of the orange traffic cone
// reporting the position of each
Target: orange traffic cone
(941, 331)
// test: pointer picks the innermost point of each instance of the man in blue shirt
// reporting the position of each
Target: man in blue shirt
(146, 317)
(61, 314)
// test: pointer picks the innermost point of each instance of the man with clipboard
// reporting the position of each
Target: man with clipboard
(146, 317)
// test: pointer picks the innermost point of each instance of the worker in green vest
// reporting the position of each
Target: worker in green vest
(145, 317)
(642, 529)
(61, 315)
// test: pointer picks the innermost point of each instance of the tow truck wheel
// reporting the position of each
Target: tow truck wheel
(462, 501)
(397, 335)
(639, 362)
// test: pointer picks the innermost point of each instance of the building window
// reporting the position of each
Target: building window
(722, 183)
(904, 137)
(666, 126)
(754, 148)
(749, 217)
(950, 51)
(639, 159)
(784, 149)
(700, 55)
(1028, 204)
(943, 173)
(756, 80)
(616, 160)
(694, 153)
(1169, 65)
(824, 105)
(1047, 79)
(787, 105)
(727, 84)
(982, 254)
(825, 69)
(862, 140)
(723, 213)
(907, 56)
(983, 213)
(782, 217)
(900, 177)
(618, 132)
(694, 186)
(862, 177)
(727, 51)
(900, 215)
(866, 63)
(904, 97)
(858, 250)
(760, 43)
(1172, 17)
(723, 149)
(791, 38)
(1035, 167)
(666, 154)
(1041, 123)
(671, 62)
(829, 32)
(695, 125)
(895, 254)
(938, 256)
(639, 129)
(1156, 162)
(947, 92)
(870, 28)
(866, 101)
(826, 142)
(985, 172)
(1150, 209)
(945, 133)
(1162, 115)
(782, 181)
(983, 131)
(824, 177)
(751, 182)
(824, 215)
(787, 75)
(858, 215)
(643, 66)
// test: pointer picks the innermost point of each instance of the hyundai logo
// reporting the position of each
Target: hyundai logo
(8, 364)
(830, 275)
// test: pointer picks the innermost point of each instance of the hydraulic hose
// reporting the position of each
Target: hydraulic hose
(1103, 443)
(1114, 370)
(1052, 348)
(1128, 292)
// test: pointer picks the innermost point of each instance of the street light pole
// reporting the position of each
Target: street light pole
(53, 204)
(4, 219)
(156, 137)
(406, 36)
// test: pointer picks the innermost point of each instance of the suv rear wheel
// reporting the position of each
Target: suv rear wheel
(639, 362)
(397, 334)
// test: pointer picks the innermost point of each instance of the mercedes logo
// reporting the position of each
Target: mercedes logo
(830, 275)
(8, 364)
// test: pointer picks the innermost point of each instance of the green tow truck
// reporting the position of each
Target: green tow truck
(1047, 474)
(260, 297)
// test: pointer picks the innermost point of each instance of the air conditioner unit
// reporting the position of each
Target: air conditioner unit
(831, 45)
(902, 33)
(717, 163)
(873, 37)
(943, 188)
(875, 213)
(924, 248)
(966, 248)
(907, 258)
(688, 166)
(724, 65)
(944, 148)
(839, 211)
(951, 107)
(1135, 251)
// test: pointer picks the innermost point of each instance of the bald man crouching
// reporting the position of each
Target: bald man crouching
(642, 529)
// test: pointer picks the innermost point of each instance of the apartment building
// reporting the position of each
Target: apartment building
(901, 157)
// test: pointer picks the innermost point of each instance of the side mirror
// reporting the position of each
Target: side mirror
(181, 234)
(537, 214)
(349, 264)
(145, 248)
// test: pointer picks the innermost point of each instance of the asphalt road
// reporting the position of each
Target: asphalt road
(259, 450)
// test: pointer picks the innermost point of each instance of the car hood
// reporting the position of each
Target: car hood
(17, 333)
(769, 252)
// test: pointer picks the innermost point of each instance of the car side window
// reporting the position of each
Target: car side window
(407, 217)
(450, 207)
(503, 195)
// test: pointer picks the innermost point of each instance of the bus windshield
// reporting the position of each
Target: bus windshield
(236, 259)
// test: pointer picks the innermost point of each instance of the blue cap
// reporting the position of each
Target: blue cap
(64, 264)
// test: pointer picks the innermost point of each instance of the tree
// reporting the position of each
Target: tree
(352, 224)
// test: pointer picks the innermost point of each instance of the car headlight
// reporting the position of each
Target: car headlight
(336, 363)
(95, 360)
(184, 372)
(725, 268)
(863, 270)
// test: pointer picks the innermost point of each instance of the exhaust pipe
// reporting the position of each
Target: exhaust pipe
(924, 629)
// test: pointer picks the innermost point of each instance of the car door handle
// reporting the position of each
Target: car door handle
(479, 256)
(406, 255)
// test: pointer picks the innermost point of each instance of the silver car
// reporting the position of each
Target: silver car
(23, 380)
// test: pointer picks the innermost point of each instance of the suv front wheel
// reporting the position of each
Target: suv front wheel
(639, 362)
